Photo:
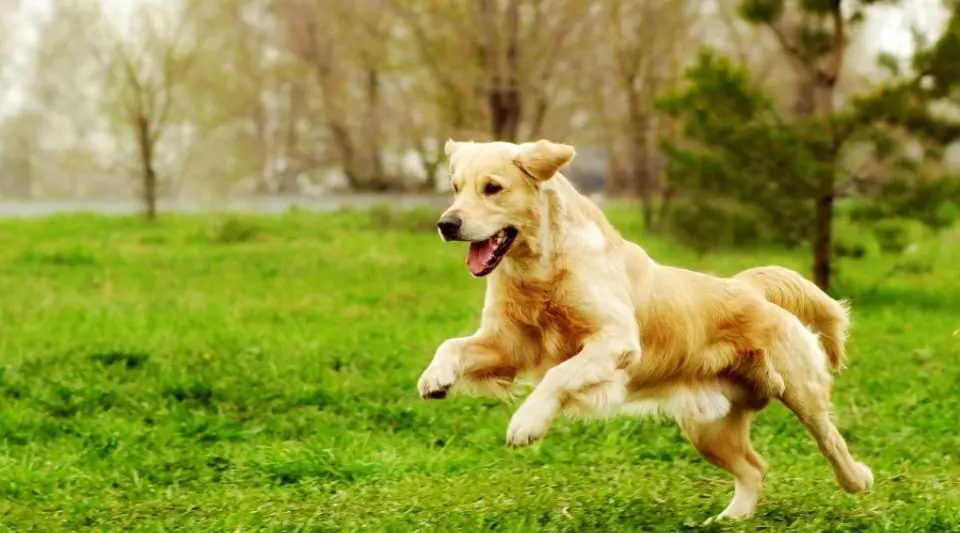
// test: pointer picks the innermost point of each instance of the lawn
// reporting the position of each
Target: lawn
(259, 373)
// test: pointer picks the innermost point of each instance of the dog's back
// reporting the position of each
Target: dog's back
(824, 315)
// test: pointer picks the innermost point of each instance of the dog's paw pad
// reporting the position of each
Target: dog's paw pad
(436, 382)
(437, 394)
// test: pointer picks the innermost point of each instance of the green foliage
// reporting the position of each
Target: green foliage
(761, 11)
(231, 230)
(890, 62)
(819, 7)
(854, 241)
(814, 42)
(906, 103)
(939, 61)
(933, 202)
(280, 394)
(387, 217)
(896, 235)
(737, 148)
(706, 225)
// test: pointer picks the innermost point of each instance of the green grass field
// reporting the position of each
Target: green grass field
(259, 373)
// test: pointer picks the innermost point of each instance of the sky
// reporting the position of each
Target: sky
(888, 30)
(25, 36)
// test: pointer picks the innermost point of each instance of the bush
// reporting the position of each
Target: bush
(385, 216)
(894, 235)
(231, 231)
(709, 226)
(854, 241)
(934, 202)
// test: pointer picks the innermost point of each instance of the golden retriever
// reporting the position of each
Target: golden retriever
(605, 329)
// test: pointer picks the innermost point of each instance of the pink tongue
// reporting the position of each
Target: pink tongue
(480, 255)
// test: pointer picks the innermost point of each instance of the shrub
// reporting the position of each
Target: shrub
(232, 230)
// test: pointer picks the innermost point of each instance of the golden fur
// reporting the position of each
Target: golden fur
(603, 328)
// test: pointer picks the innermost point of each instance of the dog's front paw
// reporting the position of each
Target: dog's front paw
(528, 425)
(436, 380)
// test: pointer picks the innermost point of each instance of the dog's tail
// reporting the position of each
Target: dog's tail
(826, 316)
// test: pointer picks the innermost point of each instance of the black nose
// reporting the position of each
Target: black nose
(450, 227)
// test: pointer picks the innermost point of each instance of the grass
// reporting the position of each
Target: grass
(259, 373)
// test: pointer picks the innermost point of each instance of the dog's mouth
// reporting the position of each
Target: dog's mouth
(485, 255)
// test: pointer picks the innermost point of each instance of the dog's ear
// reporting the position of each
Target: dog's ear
(450, 147)
(542, 159)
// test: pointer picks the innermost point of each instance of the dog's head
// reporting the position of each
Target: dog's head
(496, 196)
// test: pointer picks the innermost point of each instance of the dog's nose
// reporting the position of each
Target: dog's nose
(449, 227)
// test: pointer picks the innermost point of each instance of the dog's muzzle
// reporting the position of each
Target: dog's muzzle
(449, 227)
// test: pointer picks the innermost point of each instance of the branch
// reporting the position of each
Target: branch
(839, 42)
(791, 50)
(425, 47)
(731, 25)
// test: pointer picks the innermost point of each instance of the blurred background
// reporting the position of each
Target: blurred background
(728, 122)
(220, 276)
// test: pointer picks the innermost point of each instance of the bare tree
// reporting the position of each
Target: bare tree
(495, 60)
(9, 10)
(241, 68)
(146, 68)
(641, 48)
(345, 48)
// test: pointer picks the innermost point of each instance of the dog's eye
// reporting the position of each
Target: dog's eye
(492, 188)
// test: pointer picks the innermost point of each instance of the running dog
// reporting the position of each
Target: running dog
(603, 328)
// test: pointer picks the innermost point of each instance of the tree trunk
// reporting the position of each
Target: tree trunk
(823, 244)
(289, 152)
(149, 174)
(504, 100)
(666, 200)
(640, 183)
(266, 178)
(827, 83)
(378, 178)
(505, 114)
(649, 222)
(19, 174)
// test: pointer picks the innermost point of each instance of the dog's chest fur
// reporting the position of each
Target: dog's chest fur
(538, 311)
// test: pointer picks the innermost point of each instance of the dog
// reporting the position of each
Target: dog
(604, 329)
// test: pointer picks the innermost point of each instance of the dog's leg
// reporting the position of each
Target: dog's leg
(596, 376)
(811, 403)
(755, 365)
(476, 357)
(725, 443)
(804, 366)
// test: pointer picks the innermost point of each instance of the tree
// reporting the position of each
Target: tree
(9, 11)
(345, 48)
(496, 61)
(60, 122)
(146, 68)
(784, 168)
(921, 106)
(645, 43)
(19, 134)
(237, 99)
(11, 155)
